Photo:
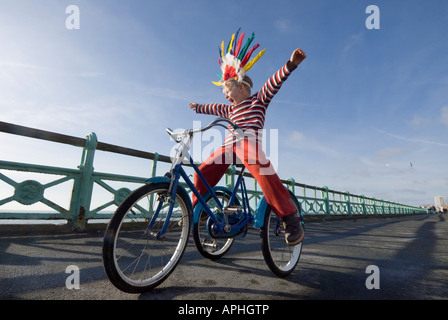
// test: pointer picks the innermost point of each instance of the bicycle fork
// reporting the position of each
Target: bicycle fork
(170, 198)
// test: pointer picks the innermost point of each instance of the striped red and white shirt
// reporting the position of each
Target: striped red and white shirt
(250, 114)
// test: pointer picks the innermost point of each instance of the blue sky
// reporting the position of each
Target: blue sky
(356, 113)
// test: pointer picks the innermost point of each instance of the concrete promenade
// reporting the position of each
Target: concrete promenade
(411, 254)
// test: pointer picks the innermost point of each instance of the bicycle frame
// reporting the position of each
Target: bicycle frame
(178, 171)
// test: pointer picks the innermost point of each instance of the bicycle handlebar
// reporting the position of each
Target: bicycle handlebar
(177, 136)
(216, 122)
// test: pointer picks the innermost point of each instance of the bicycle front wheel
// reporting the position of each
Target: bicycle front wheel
(280, 257)
(135, 257)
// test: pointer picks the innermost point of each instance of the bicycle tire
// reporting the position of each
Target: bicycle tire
(209, 247)
(280, 257)
(134, 259)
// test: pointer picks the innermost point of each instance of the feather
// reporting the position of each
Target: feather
(235, 41)
(252, 62)
(231, 43)
(229, 72)
(247, 57)
(238, 46)
(228, 45)
(244, 50)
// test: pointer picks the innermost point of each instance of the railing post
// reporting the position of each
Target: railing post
(230, 177)
(374, 207)
(326, 199)
(363, 204)
(255, 194)
(292, 185)
(154, 165)
(82, 204)
(153, 174)
(347, 200)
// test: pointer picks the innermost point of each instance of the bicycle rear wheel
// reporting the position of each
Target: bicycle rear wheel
(135, 258)
(280, 257)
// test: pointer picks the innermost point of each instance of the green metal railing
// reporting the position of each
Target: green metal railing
(315, 201)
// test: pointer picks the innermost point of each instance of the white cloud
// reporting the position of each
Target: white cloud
(389, 153)
(297, 136)
(298, 140)
(444, 115)
(352, 41)
(418, 121)
(415, 140)
(282, 24)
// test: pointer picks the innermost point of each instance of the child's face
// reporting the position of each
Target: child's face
(234, 92)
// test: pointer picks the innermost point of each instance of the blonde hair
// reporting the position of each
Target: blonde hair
(246, 81)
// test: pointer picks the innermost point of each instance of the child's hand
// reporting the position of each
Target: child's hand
(297, 57)
(193, 106)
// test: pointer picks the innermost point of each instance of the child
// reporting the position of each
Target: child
(248, 112)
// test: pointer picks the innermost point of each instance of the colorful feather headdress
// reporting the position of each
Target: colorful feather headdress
(234, 61)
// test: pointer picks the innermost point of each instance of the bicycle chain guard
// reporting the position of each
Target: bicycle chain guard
(214, 231)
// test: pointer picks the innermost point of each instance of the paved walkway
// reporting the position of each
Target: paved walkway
(411, 254)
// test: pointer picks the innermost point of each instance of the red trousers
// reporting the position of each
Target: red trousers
(249, 153)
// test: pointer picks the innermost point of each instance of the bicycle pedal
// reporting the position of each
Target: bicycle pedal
(230, 210)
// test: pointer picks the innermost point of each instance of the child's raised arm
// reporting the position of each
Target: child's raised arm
(297, 57)
(274, 83)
